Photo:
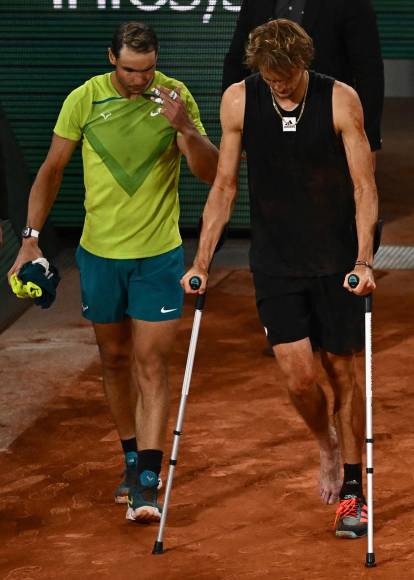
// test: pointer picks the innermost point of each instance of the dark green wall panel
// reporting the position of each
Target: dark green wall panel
(396, 27)
(45, 52)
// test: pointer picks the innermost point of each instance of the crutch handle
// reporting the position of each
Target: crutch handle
(195, 282)
(353, 280)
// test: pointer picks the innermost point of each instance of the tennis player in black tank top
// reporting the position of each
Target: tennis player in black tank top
(313, 206)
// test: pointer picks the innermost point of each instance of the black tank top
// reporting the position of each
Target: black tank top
(301, 192)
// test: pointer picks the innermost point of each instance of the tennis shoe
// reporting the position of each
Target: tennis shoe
(351, 519)
(142, 499)
(130, 477)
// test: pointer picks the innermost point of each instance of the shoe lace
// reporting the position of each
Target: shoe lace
(347, 508)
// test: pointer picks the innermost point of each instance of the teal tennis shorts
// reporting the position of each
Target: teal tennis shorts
(144, 289)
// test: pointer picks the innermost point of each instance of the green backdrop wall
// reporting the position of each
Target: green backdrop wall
(48, 47)
(51, 46)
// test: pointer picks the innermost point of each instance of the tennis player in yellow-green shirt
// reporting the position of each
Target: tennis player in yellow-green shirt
(134, 124)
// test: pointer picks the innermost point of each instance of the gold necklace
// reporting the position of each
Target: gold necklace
(276, 108)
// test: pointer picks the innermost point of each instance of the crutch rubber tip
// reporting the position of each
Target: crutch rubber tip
(370, 561)
(158, 548)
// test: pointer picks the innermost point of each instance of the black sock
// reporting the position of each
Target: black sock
(149, 459)
(352, 484)
(129, 445)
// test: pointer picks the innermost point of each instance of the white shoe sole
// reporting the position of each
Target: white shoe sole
(348, 535)
(143, 515)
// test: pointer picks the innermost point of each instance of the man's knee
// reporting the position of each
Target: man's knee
(297, 364)
(152, 368)
(302, 381)
(114, 356)
(301, 376)
(339, 368)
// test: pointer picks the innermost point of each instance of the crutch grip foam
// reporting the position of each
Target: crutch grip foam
(195, 283)
(353, 280)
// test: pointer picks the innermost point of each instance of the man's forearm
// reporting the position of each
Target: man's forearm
(42, 196)
(366, 203)
(201, 155)
(216, 215)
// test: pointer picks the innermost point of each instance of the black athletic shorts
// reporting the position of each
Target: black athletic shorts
(320, 308)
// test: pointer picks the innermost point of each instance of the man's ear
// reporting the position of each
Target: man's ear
(111, 56)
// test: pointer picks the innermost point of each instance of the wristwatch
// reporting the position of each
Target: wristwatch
(28, 232)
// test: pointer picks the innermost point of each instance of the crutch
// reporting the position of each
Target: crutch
(195, 283)
(353, 281)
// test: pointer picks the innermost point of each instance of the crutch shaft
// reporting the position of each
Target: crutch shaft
(370, 557)
(353, 281)
(158, 546)
(195, 283)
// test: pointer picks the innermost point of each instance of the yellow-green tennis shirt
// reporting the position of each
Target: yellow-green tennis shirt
(131, 166)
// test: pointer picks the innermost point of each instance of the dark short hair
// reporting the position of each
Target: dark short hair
(279, 45)
(134, 35)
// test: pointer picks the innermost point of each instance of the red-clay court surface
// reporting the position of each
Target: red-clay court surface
(245, 499)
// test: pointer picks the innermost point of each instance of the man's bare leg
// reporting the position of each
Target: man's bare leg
(351, 516)
(348, 406)
(153, 342)
(115, 348)
(296, 361)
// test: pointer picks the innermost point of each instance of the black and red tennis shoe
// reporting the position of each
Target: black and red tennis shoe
(351, 519)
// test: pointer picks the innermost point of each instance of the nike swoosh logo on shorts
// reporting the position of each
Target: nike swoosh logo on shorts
(165, 310)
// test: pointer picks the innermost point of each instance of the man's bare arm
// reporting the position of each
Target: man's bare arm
(42, 196)
(200, 153)
(349, 121)
(222, 196)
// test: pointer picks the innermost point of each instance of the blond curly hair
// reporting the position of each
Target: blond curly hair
(279, 45)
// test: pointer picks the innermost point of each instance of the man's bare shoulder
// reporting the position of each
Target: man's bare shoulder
(233, 104)
(347, 108)
(345, 95)
(235, 92)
